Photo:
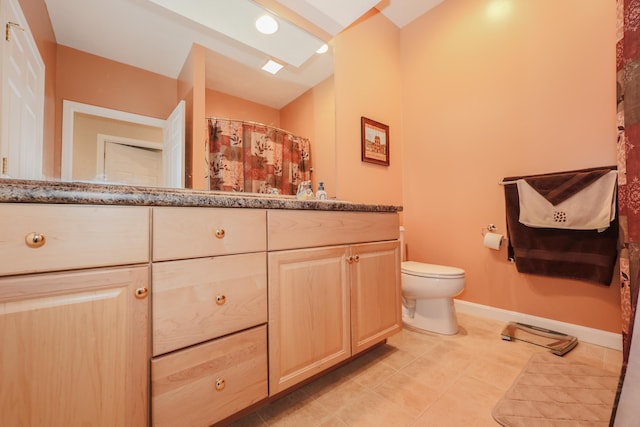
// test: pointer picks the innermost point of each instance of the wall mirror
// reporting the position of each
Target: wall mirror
(156, 38)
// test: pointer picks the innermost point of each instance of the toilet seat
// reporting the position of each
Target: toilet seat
(431, 270)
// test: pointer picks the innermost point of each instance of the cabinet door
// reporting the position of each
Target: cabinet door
(376, 294)
(75, 349)
(309, 315)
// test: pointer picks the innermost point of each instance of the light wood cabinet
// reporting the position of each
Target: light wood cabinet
(209, 314)
(74, 348)
(197, 300)
(291, 229)
(327, 304)
(36, 238)
(244, 304)
(204, 384)
(309, 314)
(180, 233)
(75, 337)
(376, 295)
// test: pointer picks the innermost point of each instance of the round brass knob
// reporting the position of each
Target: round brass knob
(220, 384)
(356, 258)
(220, 233)
(34, 240)
(141, 293)
(221, 299)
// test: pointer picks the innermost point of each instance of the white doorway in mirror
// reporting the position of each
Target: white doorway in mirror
(169, 145)
(129, 161)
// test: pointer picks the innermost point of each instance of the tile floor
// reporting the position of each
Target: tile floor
(419, 379)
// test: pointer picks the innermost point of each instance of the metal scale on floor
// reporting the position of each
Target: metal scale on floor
(557, 342)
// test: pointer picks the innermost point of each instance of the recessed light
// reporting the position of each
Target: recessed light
(323, 49)
(267, 24)
(272, 66)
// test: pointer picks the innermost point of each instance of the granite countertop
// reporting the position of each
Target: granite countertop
(27, 191)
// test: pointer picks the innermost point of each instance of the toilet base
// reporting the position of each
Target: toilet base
(432, 315)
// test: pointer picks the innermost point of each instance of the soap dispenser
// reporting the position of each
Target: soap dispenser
(321, 194)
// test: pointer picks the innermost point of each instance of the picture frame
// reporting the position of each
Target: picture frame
(375, 141)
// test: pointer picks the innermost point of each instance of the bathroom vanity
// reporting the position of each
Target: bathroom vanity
(162, 307)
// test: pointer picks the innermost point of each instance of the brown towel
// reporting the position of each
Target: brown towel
(573, 254)
(591, 208)
(558, 187)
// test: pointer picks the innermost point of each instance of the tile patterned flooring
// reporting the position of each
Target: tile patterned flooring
(419, 379)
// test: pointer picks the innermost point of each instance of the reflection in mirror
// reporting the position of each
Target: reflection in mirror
(279, 161)
(105, 145)
(234, 85)
(116, 159)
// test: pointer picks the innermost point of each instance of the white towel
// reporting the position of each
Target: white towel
(592, 208)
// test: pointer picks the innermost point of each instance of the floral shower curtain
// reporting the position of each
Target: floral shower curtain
(251, 157)
(628, 122)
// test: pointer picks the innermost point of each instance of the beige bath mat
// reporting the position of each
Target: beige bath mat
(552, 391)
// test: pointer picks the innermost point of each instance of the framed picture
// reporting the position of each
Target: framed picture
(375, 142)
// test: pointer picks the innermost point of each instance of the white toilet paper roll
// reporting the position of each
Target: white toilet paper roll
(493, 240)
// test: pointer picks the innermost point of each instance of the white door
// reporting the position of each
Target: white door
(125, 164)
(22, 102)
(173, 147)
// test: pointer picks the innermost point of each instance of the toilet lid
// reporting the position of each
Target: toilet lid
(431, 270)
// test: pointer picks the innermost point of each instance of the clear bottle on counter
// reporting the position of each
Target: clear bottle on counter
(321, 194)
(310, 195)
(304, 191)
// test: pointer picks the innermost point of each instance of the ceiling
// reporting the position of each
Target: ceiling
(156, 36)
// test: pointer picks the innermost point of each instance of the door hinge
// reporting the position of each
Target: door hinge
(8, 27)
(4, 166)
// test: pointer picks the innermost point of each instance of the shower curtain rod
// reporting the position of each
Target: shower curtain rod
(250, 123)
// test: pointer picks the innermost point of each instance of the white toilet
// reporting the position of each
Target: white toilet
(427, 295)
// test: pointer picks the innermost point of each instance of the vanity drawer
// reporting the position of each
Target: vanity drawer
(200, 299)
(289, 229)
(202, 385)
(198, 232)
(75, 236)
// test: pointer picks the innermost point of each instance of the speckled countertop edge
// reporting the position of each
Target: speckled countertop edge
(27, 191)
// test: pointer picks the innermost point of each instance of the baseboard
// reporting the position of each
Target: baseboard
(590, 335)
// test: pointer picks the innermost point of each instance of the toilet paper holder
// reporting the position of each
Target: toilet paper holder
(492, 240)
(491, 228)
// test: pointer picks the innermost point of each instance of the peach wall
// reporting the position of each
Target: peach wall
(220, 104)
(191, 89)
(368, 82)
(312, 115)
(94, 80)
(35, 11)
(494, 88)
